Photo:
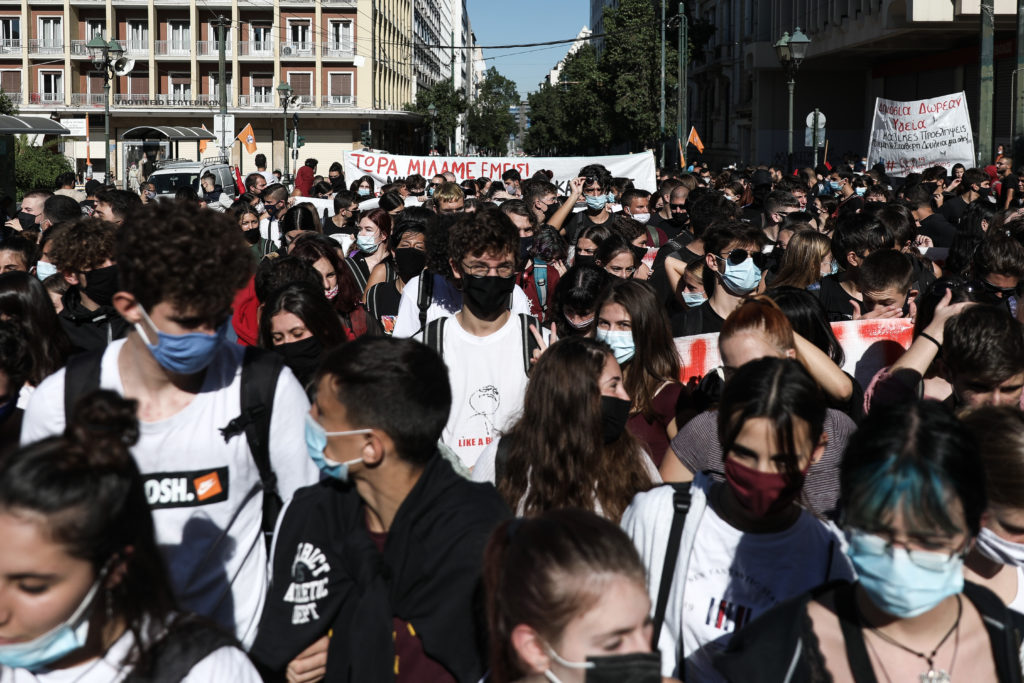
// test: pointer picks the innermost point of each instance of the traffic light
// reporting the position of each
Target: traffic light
(299, 141)
(366, 136)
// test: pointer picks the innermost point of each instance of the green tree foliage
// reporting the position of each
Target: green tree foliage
(7, 106)
(546, 134)
(490, 122)
(449, 105)
(588, 127)
(37, 167)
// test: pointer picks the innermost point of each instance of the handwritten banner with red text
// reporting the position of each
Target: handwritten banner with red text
(869, 346)
(384, 168)
(909, 137)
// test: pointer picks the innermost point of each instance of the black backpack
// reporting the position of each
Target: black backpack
(189, 640)
(260, 370)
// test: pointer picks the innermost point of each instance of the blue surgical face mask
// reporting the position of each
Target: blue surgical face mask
(860, 191)
(367, 243)
(363, 192)
(834, 268)
(692, 299)
(183, 354)
(430, 191)
(621, 343)
(742, 278)
(896, 583)
(57, 642)
(597, 202)
(45, 269)
(835, 185)
(316, 442)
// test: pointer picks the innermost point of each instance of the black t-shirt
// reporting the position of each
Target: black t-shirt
(579, 222)
(838, 304)
(1009, 182)
(679, 233)
(698, 320)
(954, 209)
(939, 230)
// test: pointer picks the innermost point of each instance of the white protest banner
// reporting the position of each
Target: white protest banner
(908, 137)
(384, 168)
(868, 345)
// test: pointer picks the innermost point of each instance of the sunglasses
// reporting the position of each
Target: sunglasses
(678, 207)
(738, 256)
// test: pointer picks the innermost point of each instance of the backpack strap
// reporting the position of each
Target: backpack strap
(652, 236)
(433, 335)
(81, 376)
(540, 280)
(260, 371)
(501, 459)
(390, 273)
(371, 301)
(357, 273)
(188, 641)
(424, 295)
(529, 341)
(680, 507)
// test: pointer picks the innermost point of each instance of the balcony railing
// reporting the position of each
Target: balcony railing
(208, 48)
(304, 100)
(46, 98)
(344, 48)
(87, 99)
(46, 46)
(293, 48)
(210, 100)
(136, 48)
(79, 48)
(339, 100)
(173, 48)
(10, 46)
(340, 3)
(256, 101)
(256, 48)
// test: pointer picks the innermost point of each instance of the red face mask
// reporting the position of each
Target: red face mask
(762, 493)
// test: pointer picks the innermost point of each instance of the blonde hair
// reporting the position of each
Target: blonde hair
(801, 264)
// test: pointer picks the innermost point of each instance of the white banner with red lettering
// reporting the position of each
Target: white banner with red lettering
(908, 137)
(384, 168)
(869, 346)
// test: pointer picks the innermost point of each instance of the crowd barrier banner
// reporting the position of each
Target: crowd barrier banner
(869, 346)
(384, 168)
(908, 137)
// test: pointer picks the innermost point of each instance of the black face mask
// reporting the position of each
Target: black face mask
(302, 357)
(101, 285)
(637, 667)
(983, 192)
(550, 211)
(27, 220)
(639, 253)
(251, 236)
(679, 220)
(271, 209)
(409, 262)
(525, 244)
(486, 297)
(584, 260)
(614, 413)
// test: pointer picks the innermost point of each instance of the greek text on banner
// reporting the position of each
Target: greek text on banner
(384, 168)
(908, 137)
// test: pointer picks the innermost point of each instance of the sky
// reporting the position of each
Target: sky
(531, 21)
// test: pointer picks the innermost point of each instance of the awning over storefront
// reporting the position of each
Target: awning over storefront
(171, 133)
(30, 125)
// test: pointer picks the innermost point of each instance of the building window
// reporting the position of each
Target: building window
(10, 34)
(51, 33)
(340, 40)
(138, 36)
(181, 86)
(263, 89)
(180, 34)
(10, 83)
(340, 85)
(262, 39)
(302, 86)
(51, 86)
(299, 42)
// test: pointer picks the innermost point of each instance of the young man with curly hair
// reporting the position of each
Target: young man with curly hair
(179, 269)
(83, 253)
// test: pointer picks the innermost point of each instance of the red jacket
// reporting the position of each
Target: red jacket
(304, 181)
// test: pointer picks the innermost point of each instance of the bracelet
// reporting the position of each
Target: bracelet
(932, 339)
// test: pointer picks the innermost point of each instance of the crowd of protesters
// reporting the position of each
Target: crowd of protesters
(439, 429)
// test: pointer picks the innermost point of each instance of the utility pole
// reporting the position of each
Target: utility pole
(451, 143)
(684, 40)
(661, 119)
(222, 85)
(1018, 128)
(985, 87)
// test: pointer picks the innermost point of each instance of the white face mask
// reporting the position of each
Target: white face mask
(642, 217)
(998, 549)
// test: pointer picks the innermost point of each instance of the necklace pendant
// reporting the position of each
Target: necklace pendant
(933, 676)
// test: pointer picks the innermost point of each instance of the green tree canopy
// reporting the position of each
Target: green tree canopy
(449, 105)
(37, 167)
(490, 122)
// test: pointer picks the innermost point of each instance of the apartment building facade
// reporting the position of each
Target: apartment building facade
(349, 63)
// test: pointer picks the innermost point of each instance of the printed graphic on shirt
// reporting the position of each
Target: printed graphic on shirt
(727, 616)
(186, 489)
(309, 583)
(485, 403)
(388, 323)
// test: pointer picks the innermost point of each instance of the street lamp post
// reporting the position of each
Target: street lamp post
(791, 51)
(104, 55)
(284, 91)
(432, 110)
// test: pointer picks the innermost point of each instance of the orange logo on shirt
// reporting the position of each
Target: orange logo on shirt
(207, 486)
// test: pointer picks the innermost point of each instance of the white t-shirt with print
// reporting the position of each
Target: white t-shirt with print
(488, 382)
(203, 490)
(732, 577)
(446, 300)
(223, 664)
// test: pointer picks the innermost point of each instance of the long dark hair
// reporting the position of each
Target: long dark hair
(969, 236)
(24, 301)
(86, 487)
(807, 315)
(579, 289)
(545, 571)
(656, 360)
(354, 187)
(557, 456)
(310, 249)
(308, 304)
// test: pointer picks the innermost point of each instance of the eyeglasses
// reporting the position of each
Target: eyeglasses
(998, 291)
(678, 207)
(870, 544)
(505, 270)
(738, 256)
(461, 209)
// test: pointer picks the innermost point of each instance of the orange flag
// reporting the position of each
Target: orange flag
(248, 138)
(694, 140)
(202, 143)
